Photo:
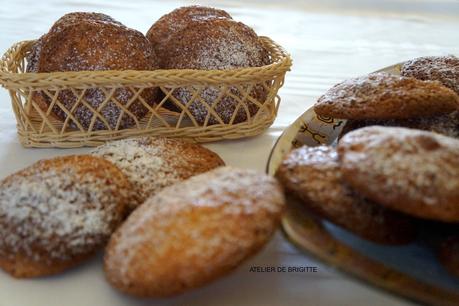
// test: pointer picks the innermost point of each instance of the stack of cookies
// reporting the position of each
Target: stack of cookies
(192, 37)
(396, 163)
(424, 96)
(173, 215)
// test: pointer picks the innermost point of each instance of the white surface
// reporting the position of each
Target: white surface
(328, 42)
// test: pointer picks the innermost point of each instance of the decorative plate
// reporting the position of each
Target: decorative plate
(410, 271)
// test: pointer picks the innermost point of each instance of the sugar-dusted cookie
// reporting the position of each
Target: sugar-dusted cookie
(58, 212)
(216, 44)
(444, 69)
(313, 175)
(95, 42)
(154, 163)
(170, 24)
(194, 232)
(413, 171)
(386, 96)
(66, 20)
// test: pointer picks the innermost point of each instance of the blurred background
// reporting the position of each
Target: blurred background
(329, 39)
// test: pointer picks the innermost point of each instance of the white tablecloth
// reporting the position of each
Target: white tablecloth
(328, 42)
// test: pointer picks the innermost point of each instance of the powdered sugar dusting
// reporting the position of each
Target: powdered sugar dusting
(217, 44)
(313, 175)
(57, 213)
(33, 57)
(434, 68)
(98, 45)
(386, 96)
(208, 203)
(168, 25)
(154, 163)
(399, 162)
(228, 52)
(226, 105)
(76, 17)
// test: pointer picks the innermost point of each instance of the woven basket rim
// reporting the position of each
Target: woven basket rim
(38, 128)
(12, 80)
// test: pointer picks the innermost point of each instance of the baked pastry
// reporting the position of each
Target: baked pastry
(447, 124)
(67, 19)
(33, 56)
(444, 69)
(193, 232)
(154, 163)
(313, 175)
(386, 96)
(58, 212)
(168, 25)
(448, 254)
(77, 17)
(79, 43)
(216, 44)
(412, 171)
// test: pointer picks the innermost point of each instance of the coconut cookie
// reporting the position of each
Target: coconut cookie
(412, 171)
(194, 232)
(444, 69)
(313, 175)
(154, 163)
(58, 212)
(386, 96)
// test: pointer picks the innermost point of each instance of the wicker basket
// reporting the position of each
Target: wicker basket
(38, 126)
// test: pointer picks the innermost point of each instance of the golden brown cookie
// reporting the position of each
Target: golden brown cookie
(162, 30)
(444, 69)
(447, 124)
(193, 232)
(58, 212)
(216, 44)
(386, 96)
(93, 45)
(412, 171)
(313, 175)
(154, 163)
(448, 254)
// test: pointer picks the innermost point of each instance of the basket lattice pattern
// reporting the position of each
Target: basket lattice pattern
(87, 108)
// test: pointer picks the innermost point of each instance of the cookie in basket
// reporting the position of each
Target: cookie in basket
(57, 212)
(444, 69)
(154, 163)
(162, 30)
(313, 175)
(447, 124)
(67, 19)
(216, 44)
(94, 44)
(193, 232)
(386, 96)
(412, 171)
